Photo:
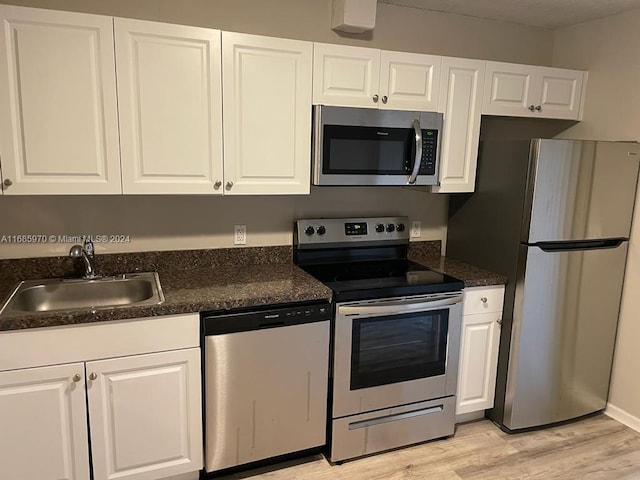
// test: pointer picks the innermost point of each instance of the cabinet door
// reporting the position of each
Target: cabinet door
(145, 415)
(509, 90)
(461, 104)
(560, 93)
(267, 114)
(345, 76)
(478, 362)
(409, 81)
(170, 107)
(43, 424)
(58, 113)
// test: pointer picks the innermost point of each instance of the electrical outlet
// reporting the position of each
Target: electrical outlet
(240, 235)
(416, 229)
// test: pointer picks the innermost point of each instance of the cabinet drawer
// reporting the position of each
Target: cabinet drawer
(91, 341)
(483, 300)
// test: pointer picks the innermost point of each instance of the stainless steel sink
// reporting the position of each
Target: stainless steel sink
(133, 289)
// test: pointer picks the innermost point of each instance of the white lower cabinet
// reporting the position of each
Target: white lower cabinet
(138, 416)
(481, 320)
(43, 424)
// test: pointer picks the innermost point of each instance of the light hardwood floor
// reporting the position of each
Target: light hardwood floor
(596, 448)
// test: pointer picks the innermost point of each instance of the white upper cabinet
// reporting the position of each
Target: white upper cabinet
(345, 76)
(530, 91)
(170, 107)
(58, 111)
(370, 78)
(267, 114)
(561, 93)
(409, 81)
(461, 105)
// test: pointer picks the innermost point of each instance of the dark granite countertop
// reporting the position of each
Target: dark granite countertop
(205, 280)
(211, 285)
(428, 254)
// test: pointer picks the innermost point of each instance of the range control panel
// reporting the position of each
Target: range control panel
(350, 230)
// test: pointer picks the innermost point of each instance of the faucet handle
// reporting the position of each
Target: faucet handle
(87, 246)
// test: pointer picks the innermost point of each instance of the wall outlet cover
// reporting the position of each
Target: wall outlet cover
(240, 235)
(416, 229)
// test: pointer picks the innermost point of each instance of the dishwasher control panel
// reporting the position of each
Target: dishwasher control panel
(218, 323)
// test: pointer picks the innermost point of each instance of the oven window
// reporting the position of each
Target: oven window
(367, 150)
(398, 348)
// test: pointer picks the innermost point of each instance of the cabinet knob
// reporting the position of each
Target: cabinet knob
(229, 185)
(375, 99)
(531, 108)
(483, 299)
(77, 377)
(384, 99)
(7, 183)
(539, 108)
(93, 376)
(217, 185)
(499, 321)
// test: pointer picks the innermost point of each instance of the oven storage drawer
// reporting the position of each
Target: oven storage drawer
(373, 432)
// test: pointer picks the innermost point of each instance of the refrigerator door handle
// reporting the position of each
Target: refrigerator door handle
(579, 245)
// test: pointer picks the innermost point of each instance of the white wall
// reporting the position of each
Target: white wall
(610, 50)
(164, 223)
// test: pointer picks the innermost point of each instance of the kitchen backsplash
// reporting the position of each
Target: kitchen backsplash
(162, 222)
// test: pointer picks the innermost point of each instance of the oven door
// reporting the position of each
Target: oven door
(392, 352)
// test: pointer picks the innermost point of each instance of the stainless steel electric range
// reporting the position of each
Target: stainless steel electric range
(395, 334)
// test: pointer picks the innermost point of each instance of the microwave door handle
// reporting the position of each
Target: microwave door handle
(416, 161)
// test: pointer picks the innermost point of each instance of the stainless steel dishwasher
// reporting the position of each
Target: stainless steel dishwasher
(265, 382)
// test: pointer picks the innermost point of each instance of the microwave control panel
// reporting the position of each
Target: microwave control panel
(429, 150)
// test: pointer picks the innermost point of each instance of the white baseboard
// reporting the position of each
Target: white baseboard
(623, 417)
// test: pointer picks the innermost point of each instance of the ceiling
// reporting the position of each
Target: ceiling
(536, 13)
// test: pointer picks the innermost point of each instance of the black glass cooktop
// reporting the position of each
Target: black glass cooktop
(379, 279)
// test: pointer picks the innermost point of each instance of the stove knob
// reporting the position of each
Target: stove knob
(309, 230)
(400, 227)
(379, 228)
(391, 227)
(321, 230)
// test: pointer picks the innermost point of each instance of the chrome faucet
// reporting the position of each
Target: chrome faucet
(86, 252)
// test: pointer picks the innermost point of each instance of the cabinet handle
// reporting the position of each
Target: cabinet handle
(539, 108)
(499, 321)
(229, 185)
(217, 185)
(384, 99)
(7, 183)
(77, 377)
(483, 299)
(375, 99)
(531, 108)
(93, 376)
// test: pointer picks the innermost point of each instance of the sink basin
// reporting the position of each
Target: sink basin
(134, 289)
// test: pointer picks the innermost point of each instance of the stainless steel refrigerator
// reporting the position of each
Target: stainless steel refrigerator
(554, 216)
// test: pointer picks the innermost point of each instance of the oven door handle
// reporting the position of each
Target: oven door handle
(397, 307)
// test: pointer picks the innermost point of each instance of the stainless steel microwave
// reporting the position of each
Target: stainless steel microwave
(364, 146)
